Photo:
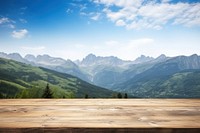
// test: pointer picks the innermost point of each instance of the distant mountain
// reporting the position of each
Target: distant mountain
(161, 58)
(136, 69)
(103, 70)
(13, 56)
(93, 60)
(186, 62)
(52, 62)
(160, 73)
(57, 64)
(108, 71)
(143, 59)
(25, 81)
(30, 58)
(3, 55)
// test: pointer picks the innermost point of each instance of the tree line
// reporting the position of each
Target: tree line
(47, 93)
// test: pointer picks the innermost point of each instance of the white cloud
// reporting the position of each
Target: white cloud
(4, 20)
(120, 23)
(11, 26)
(76, 5)
(19, 34)
(83, 7)
(68, 11)
(191, 17)
(92, 15)
(120, 3)
(96, 16)
(142, 14)
(114, 16)
(165, 1)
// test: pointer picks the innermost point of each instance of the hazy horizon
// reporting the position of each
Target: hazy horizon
(72, 29)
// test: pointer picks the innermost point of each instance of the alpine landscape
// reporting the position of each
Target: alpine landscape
(99, 66)
(98, 77)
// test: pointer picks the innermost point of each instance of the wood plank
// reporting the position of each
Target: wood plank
(101, 130)
(102, 115)
(135, 102)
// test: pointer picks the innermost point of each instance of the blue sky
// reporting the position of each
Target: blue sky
(71, 29)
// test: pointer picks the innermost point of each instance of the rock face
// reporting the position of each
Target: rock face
(187, 62)
(103, 71)
(107, 71)
(92, 60)
(143, 59)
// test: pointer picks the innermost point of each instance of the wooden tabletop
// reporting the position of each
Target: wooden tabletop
(99, 113)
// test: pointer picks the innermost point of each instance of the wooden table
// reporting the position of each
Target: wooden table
(100, 115)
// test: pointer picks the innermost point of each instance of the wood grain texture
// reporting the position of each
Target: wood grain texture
(100, 115)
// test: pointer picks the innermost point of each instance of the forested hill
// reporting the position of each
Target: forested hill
(19, 80)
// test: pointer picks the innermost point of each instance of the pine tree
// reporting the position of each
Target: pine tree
(125, 95)
(119, 95)
(86, 96)
(1, 96)
(47, 92)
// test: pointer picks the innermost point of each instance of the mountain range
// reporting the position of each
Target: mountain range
(143, 77)
(176, 77)
(85, 69)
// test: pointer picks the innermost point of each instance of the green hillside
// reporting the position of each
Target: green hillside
(25, 81)
(184, 84)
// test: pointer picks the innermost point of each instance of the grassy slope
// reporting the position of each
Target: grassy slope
(185, 84)
(21, 80)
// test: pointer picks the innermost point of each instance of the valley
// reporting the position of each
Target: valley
(144, 77)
